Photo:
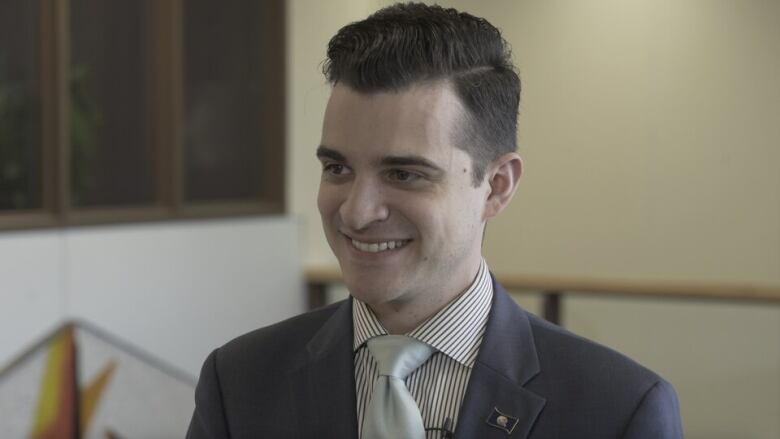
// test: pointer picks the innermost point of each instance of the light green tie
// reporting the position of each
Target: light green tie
(393, 412)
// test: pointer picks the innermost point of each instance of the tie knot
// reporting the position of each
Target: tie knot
(398, 355)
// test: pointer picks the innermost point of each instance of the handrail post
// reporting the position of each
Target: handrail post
(317, 294)
(551, 302)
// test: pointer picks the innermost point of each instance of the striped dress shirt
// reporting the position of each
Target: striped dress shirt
(439, 385)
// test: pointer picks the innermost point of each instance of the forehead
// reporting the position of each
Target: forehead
(421, 119)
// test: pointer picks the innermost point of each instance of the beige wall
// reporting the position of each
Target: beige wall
(311, 24)
(651, 135)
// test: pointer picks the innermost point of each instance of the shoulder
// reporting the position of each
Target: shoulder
(251, 374)
(595, 387)
(278, 341)
(576, 356)
(561, 358)
(270, 352)
(260, 361)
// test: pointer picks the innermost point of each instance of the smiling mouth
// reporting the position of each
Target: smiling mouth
(376, 247)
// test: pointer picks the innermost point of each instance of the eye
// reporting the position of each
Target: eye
(402, 176)
(334, 169)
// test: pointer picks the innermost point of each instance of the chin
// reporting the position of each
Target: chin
(369, 290)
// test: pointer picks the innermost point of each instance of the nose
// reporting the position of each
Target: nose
(364, 205)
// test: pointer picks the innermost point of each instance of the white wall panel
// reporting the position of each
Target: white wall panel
(31, 278)
(178, 290)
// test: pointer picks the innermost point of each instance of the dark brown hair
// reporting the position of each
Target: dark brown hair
(409, 43)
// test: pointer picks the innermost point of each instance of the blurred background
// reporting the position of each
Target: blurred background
(158, 186)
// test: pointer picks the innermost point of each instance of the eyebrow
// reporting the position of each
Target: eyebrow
(323, 152)
(411, 160)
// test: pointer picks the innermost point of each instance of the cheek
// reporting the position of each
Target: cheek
(465, 213)
(327, 201)
(438, 221)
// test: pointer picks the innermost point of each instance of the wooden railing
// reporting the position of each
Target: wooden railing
(552, 289)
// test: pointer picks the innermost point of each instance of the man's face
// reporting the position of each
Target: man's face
(396, 197)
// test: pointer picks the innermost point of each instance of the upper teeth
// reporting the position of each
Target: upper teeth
(375, 247)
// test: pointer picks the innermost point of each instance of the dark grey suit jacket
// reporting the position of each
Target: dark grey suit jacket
(295, 379)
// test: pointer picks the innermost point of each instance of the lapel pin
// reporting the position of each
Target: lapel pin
(502, 421)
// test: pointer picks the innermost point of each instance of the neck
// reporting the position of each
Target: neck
(402, 316)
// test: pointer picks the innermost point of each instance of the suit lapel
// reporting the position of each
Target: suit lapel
(507, 360)
(324, 381)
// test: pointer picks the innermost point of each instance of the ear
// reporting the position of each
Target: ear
(503, 176)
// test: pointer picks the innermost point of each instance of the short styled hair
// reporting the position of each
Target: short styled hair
(412, 43)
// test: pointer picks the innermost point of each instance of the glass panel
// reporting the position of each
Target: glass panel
(224, 155)
(113, 158)
(20, 149)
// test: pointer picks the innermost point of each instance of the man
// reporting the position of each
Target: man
(418, 153)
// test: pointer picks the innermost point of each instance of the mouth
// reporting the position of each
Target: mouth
(378, 246)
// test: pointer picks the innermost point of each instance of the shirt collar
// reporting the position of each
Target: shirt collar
(456, 330)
